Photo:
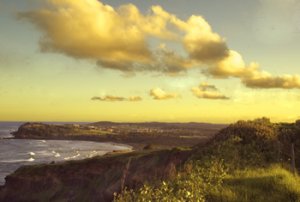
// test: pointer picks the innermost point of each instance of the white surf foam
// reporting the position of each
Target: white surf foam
(31, 159)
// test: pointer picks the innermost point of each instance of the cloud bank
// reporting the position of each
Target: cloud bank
(119, 38)
(206, 91)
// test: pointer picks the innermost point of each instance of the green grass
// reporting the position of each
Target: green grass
(273, 184)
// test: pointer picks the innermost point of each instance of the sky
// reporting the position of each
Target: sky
(171, 61)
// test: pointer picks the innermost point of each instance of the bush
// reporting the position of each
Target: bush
(193, 184)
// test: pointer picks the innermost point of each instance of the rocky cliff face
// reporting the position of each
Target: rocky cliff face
(93, 179)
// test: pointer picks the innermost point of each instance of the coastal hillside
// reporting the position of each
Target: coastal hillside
(246, 161)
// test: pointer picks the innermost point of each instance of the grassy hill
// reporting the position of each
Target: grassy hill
(247, 161)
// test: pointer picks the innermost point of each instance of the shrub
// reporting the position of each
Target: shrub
(194, 183)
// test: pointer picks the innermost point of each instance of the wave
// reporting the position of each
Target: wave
(18, 160)
(31, 159)
(57, 155)
(72, 157)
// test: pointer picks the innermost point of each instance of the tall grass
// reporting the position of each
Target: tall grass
(273, 184)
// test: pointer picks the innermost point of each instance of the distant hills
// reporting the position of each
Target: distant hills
(163, 125)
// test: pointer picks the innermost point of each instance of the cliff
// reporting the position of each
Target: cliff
(93, 179)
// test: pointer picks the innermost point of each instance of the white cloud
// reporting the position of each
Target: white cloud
(207, 91)
(159, 94)
(112, 98)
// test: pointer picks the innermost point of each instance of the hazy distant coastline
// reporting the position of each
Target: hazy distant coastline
(138, 135)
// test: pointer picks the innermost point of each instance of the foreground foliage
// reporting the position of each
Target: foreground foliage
(244, 162)
(197, 181)
(259, 185)
(214, 185)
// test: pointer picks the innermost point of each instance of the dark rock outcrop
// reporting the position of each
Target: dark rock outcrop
(41, 130)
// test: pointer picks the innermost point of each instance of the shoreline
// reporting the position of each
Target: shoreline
(127, 148)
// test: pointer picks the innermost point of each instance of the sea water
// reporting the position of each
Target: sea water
(15, 153)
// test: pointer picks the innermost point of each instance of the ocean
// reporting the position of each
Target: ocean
(15, 153)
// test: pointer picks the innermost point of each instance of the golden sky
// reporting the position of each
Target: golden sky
(90, 60)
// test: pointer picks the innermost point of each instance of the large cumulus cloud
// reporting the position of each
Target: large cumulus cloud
(119, 38)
